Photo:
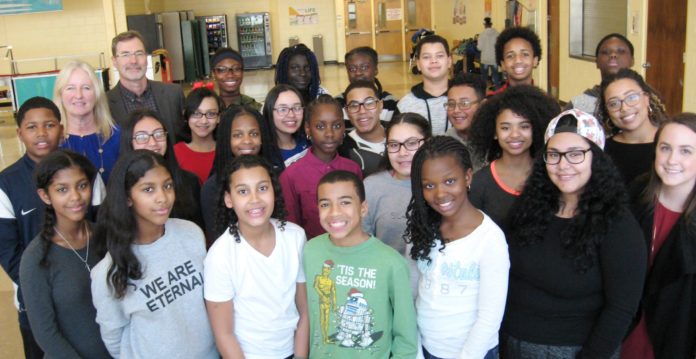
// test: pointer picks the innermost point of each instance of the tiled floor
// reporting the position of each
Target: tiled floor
(395, 78)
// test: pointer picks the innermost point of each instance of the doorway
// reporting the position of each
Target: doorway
(385, 25)
(666, 45)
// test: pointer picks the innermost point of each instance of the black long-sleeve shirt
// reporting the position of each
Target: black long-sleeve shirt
(551, 303)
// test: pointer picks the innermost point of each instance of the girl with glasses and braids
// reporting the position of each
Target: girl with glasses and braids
(144, 130)
(201, 116)
(632, 112)
(577, 256)
(507, 133)
(297, 66)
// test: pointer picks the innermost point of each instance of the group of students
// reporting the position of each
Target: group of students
(487, 225)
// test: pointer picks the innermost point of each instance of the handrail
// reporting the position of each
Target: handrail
(15, 63)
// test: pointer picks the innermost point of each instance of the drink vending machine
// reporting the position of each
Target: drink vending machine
(254, 39)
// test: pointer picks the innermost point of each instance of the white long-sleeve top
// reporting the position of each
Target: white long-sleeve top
(462, 293)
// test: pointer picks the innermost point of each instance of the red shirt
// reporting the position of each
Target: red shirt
(637, 345)
(198, 163)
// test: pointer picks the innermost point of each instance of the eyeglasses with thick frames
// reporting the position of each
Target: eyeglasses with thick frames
(128, 55)
(209, 115)
(575, 156)
(630, 100)
(222, 70)
(370, 103)
(461, 105)
(144, 137)
(411, 144)
(283, 111)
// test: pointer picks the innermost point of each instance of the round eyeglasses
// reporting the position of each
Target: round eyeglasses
(144, 137)
(630, 100)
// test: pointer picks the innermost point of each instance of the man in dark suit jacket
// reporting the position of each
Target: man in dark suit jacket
(134, 90)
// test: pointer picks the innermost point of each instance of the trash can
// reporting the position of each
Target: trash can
(318, 44)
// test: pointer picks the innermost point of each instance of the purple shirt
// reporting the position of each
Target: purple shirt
(299, 183)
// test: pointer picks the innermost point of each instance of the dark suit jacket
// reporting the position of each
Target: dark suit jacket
(170, 103)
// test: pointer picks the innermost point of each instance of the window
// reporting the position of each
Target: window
(591, 20)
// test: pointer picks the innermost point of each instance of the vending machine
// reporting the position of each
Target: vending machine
(216, 31)
(254, 39)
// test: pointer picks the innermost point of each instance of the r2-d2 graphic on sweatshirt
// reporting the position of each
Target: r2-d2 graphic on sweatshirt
(355, 321)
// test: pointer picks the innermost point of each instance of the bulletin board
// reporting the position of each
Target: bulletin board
(8, 7)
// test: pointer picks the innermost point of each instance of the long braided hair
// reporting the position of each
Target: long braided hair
(283, 67)
(226, 217)
(423, 222)
(44, 173)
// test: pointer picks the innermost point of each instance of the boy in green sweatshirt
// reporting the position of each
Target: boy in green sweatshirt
(360, 303)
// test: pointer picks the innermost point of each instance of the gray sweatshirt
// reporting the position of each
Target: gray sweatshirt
(59, 302)
(162, 314)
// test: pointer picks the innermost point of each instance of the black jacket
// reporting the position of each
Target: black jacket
(669, 300)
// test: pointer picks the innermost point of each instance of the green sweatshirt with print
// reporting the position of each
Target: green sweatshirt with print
(359, 300)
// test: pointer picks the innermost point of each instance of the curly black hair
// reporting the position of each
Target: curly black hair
(524, 100)
(44, 172)
(282, 69)
(517, 32)
(657, 112)
(603, 200)
(423, 222)
(227, 217)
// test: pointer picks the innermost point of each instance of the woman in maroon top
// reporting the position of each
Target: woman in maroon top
(666, 211)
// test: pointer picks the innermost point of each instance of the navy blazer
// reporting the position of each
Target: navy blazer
(170, 103)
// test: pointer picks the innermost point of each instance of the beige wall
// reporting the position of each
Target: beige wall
(79, 29)
(578, 75)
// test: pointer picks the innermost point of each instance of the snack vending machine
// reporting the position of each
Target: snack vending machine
(254, 39)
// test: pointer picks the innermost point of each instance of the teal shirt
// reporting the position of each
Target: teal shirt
(359, 300)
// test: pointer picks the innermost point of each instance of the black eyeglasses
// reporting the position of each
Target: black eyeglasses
(370, 103)
(210, 114)
(411, 144)
(461, 105)
(144, 137)
(575, 156)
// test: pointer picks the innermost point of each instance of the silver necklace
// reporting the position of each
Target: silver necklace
(84, 261)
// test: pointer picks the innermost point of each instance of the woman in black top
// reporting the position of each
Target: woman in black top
(576, 253)
(666, 210)
(632, 112)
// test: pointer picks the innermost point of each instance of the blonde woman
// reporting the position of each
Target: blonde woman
(84, 110)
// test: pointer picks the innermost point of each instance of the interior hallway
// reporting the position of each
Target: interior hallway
(395, 78)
